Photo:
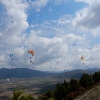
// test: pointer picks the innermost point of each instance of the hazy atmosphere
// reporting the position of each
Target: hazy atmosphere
(59, 32)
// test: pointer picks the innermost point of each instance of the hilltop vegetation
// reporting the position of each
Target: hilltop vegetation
(64, 91)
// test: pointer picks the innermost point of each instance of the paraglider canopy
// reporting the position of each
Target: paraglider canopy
(11, 55)
(98, 48)
(74, 44)
(82, 58)
(7, 79)
(31, 51)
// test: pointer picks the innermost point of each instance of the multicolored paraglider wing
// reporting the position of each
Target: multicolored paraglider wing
(82, 58)
(31, 51)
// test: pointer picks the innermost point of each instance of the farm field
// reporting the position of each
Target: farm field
(35, 86)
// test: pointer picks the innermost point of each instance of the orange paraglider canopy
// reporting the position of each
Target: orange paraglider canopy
(31, 51)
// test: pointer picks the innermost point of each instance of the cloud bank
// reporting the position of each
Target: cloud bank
(58, 44)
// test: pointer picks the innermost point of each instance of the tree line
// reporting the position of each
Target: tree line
(63, 91)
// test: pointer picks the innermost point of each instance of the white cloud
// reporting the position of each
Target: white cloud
(50, 54)
(16, 17)
(15, 22)
(53, 52)
(85, 1)
(60, 1)
(65, 20)
(88, 18)
(51, 41)
(38, 4)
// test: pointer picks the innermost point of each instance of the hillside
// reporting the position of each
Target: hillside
(91, 94)
(75, 73)
(21, 73)
(29, 73)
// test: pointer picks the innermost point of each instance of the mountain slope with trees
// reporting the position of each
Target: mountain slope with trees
(66, 90)
(73, 88)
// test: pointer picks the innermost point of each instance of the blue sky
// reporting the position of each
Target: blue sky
(54, 11)
(50, 28)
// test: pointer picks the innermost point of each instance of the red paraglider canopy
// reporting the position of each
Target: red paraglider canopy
(31, 51)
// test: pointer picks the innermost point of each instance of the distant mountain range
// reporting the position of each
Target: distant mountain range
(72, 74)
(22, 73)
(93, 69)
(77, 73)
(29, 73)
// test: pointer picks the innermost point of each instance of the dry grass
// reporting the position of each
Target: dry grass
(91, 94)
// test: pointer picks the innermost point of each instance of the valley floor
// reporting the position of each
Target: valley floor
(34, 86)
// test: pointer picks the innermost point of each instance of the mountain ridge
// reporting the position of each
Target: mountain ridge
(76, 73)
(30, 73)
(21, 73)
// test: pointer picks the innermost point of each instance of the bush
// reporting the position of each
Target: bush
(75, 85)
(96, 77)
(86, 80)
(18, 95)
